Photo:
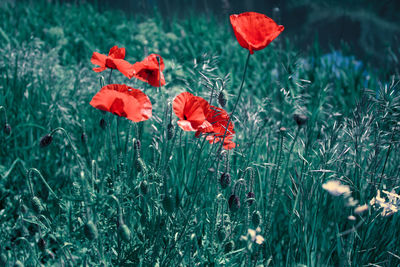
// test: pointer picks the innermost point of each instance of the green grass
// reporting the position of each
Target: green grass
(174, 206)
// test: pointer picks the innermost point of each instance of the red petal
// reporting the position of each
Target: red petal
(179, 103)
(124, 67)
(98, 59)
(124, 101)
(117, 53)
(150, 71)
(254, 31)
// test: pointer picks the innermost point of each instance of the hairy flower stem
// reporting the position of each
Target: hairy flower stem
(5, 113)
(29, 176)
(237, 100)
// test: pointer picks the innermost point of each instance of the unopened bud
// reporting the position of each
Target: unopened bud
(137, 145)
(256, 218)
(222, 99)
(300, 119)
(250, 198)
(234, 203)
(37, 205)
(225, 180)
(41, 244)
(168, 204)
(229, 246)
(46, 140)
(103, 124)
(170, 131)
(90, 230)
(124, 232)
(7, 129)
(144, 187)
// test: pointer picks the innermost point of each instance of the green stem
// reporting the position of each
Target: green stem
(37, 172)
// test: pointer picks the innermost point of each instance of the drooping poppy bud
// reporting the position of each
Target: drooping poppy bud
(46, 140)
(234, 203)
(124, 232)
(7, 129)
(300, 119)
(222, 99)
(256, 218)
(144, 187)
(229, 246)
(250, 198)
(90, 230)
(41, 244)
(137, 145)
(225, 180)
(170, 131)
(37, 205)
(103, 123)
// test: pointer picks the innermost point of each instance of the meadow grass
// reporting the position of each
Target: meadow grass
(94, 196)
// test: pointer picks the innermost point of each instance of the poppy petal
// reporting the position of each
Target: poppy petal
(179, 103)
(123, 101)
(150, 71)
(99, 69)
(98, 59)
(254, 31)
(117, 53)
(124, 67)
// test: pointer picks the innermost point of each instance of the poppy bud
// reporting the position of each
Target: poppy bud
(90, 230)
(225, 180)
(139, 165)
(83, 138)
(168, 204)
(7, 129)
(124, 232)
(250, 198)
(300, 119)
(137, 145)
(170, 131)
(103, 124)
(234, 203)
(221, 234)
(222, 99)
(46, 140)
(41, 244)
(229, 246)
(144, 187)
(37, 205)
(256, 218)
(18, 263)
(3, 259)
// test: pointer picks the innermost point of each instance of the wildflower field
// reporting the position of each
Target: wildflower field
(139, 141)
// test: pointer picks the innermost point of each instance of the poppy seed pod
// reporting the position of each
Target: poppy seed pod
(256, 218)
(222, 99)
(46, 140)
(225, 180)
(90, 230)
(103, 124)
(124, 232)
(41, 244)
(37, 205)
(250, 198)
(300, 119)
(7, 129)
(170, 131)
(234, 203)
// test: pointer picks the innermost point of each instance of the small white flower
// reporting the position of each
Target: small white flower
(335, 188)
(361, 209)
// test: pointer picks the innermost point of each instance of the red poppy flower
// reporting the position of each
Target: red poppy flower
(254, 31)
(123, 101)
(114, 60)
(150, 71)
(192, 112)
(219, 119)
(228, 143)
